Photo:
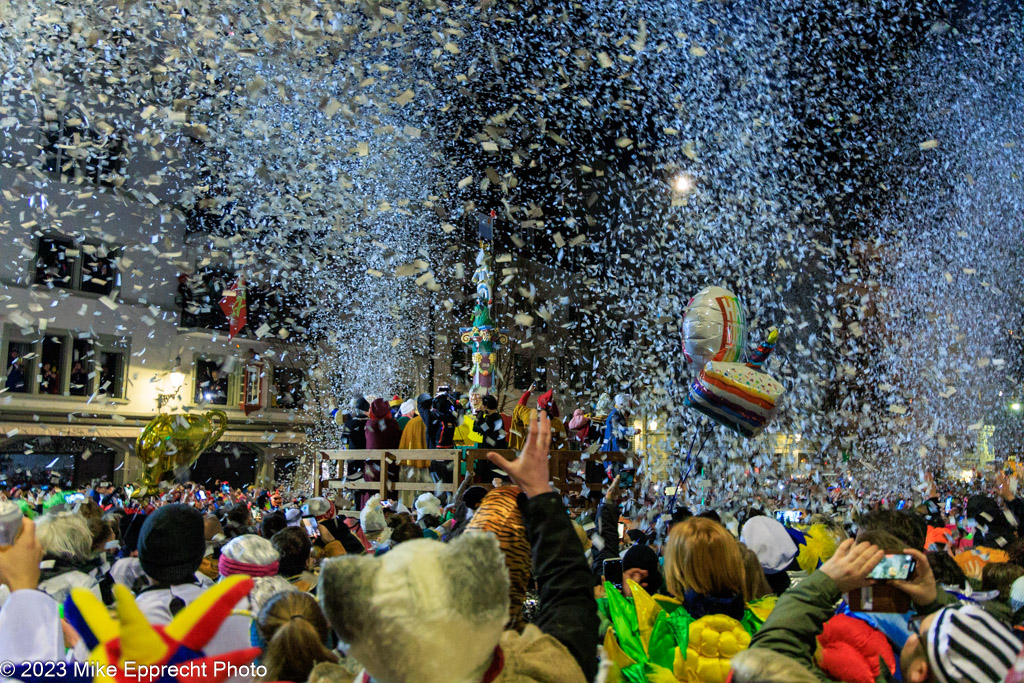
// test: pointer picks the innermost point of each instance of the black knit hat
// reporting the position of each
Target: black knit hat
(172, 543)
(643, 557)
(130, 526)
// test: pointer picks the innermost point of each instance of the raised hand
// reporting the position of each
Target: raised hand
(19, 563)
(921, 586)
(530, 470)
(852, 563)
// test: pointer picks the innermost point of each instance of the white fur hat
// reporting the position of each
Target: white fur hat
(408, 408)
(372, 516)
(427, 504)
(422, 599)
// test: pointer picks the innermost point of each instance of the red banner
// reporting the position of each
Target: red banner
(233, 305)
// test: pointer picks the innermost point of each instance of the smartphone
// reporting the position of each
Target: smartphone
(789, 516)
(893, 567)
(626, 477)
(312, 528)
(74, 497)
(200, 495)
(613, 572)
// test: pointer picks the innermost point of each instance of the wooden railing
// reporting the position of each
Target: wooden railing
(559, 462)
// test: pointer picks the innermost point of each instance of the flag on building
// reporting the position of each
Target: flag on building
(233, 305)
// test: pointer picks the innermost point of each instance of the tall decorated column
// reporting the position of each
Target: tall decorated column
(483, 338)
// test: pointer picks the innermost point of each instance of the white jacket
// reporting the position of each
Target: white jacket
(59, 587)
(30, 629)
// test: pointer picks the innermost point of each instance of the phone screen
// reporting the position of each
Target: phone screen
(312, 529)
(893, 567)
(613, 572)
(791, 516)
(626, 477)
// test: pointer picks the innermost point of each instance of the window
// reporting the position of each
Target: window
(462, 363)
(540, 373)
(20, 357)
(75, 152)
(99, 270)
(211, 382)
(60, 263)
(199, 297)
(52, 372)
(113, 364)
(81, 368)
(523, 371)
(289, 391)
(58, 364)
(55, 265)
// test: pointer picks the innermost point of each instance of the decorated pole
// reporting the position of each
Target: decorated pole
(483, 338)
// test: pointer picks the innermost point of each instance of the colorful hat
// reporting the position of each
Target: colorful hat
(770, 541)
(130, 638)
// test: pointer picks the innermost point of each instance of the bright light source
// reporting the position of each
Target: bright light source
(176, 377)
(683, 183)
(1015, 407)
(653, 425)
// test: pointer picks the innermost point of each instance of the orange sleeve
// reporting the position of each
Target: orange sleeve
(333, 549)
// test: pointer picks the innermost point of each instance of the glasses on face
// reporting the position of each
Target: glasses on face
(915, 627)
(915, 624)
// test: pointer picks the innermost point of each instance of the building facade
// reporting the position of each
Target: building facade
(97, 335)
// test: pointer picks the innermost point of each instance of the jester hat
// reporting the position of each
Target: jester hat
(130, 638)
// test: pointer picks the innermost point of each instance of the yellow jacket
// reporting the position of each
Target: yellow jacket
(414, 437)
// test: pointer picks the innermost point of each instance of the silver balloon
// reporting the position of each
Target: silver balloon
(714, 327)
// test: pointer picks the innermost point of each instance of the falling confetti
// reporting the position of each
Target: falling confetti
(851, 173)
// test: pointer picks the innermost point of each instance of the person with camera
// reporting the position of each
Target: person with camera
(948, 642)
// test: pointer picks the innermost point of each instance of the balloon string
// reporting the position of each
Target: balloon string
(689, 464)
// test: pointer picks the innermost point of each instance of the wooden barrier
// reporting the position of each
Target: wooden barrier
(558, 463)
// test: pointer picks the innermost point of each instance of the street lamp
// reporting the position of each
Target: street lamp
(1015, 407)
(175, 379)
(683, 183)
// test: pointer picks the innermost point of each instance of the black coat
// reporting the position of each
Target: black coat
(353, 433)
(568, 611)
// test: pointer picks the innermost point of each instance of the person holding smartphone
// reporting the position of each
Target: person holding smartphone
(607, 527)
(948, 641)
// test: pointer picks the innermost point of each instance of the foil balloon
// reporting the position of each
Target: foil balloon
(714, 327)
(738, 395)
(172, 441)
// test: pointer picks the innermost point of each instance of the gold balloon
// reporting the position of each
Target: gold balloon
(172, 441)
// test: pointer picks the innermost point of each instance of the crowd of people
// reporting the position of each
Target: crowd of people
(512, 581)
(454, 418)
